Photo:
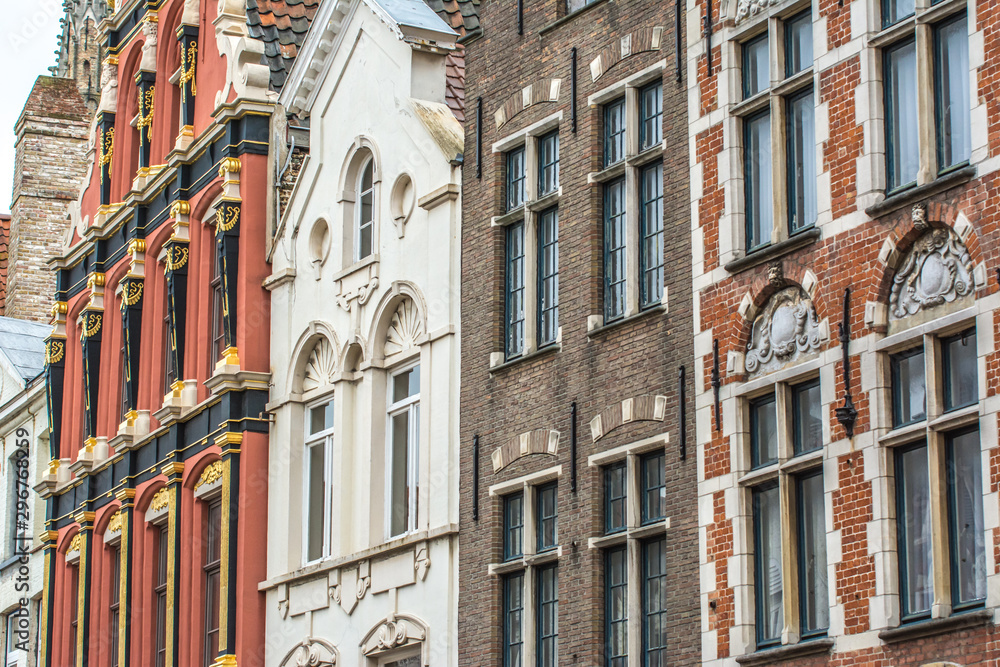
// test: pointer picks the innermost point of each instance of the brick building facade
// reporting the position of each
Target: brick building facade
(843, 174)
(578, 524)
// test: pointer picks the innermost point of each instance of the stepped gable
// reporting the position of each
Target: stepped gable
(282, 26)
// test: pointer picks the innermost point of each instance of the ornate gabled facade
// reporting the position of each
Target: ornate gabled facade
(157, 362)
(363, 494)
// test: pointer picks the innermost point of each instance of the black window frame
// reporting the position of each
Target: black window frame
(511, 528)
(543, 606)
(610, 500)
(906, 615)
(211, 569)
(939, 124)
(609, 619)
(750, 171)
(542, 521)
(655, 119)
(966, 337)
(745, 64)
(649, 651)
(114, 608)
(547, 167)
(791, 149)
(788, 24)
(218, 314)
(656, 237)
(645, 517)
(548, 221)
(892, 186)
(797, 391)
(612, 283)
(800, 505)
(957, 604)
(514, 325)
(755, 450)
(758, 583)
(160, 594)
(895, 386)
(886, 20)
(614, 138)
(510, 612)
(515, 184)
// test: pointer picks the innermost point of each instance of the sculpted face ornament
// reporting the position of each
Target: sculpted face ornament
(786, 328)
(749, 8)
(938, 270)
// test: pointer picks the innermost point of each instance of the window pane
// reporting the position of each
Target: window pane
(406, 384)
(616, 606)
(652, 470)
(614, 250)
(320, 418)
(546, 517)
(801, 163)
(399, 480)
(951, 70)
(513, 606)
(548, 616)
(901, 114)
(651, 223)
(515, 290)
(614, 132)
(961, 372)
(895, 10)
(757, 165)
(767, 564)
(654, 603)
(965, 495)
(515, 178)
(756, 61)
(808, 417)
(763, 431)
(909, 394)
(615, 495)
(913, 519)
(798, 43)
(651, 116)
(316, 500)
(814, 601)
(548, 277)
(513, 521)
(548, 163)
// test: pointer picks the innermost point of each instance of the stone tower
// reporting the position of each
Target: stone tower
(79, 49)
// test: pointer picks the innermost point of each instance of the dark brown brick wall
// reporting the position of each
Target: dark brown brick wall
(635, 359)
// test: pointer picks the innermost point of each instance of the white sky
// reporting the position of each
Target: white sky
(27, 45)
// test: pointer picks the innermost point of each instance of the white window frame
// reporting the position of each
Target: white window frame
(323, 439)
(369, 162)
(410, 405)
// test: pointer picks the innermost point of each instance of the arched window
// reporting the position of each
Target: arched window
(364, 229)
(318, 453)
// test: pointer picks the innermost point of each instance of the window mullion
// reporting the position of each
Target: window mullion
(925, 104)
(779, 169)
(940, 560)
(635, 615)
(791, 633)
(328, 495)
(632, 239)
(530, 276)
(529, 624)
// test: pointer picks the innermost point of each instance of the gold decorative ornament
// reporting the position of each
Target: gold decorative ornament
(145, 104)
(210, 475)
(188, 60)
(91, 324)
(229, 165)
(59, 308)
(136, 246)
(95, 280)
(177, 257)
(75, 543)
(107, 151)
(115, 523)
(179, 208)
(226, 218)
(160, 501)
(131, 293)
(111, 6)
(54, 351)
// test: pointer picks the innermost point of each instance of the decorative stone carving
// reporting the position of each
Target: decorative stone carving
(422, 562)
(395, 631)
(919, 215)
(148, 61)
(161, 500)
(321, 366)
(936, 271)
(749, 8)
(364, 578)
(115, 523)
(109, 85)
(311, 652)
(786, 329)
(210, 475)
(404, 330)
(75, 543)
(391, 634)
(245, 73)
(775, 274)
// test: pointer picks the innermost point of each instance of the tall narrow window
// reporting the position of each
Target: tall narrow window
(807, 418)
(169, 372)
(513, 611)
(961, 373)
(757, 167)
(614, 250)
(513, 526)
(798, 43)
(814, 604)
(901, 114)
(966, 519)
(365, 223)
(756, 63)
(404, 428)
(615, 497)
(767, 564)
(909, 391)
(516, 178)
(651, 116)
(74, 611)
(801, 162)
(894, 11)
(318, 486)
(614, 132)
(616, 606)
(653, 484)
(547, 517)
(547, 615)
(123, 406)
(114, 610)
(515, 279)
(548, 163)
(651, 232)
(213, 560)
(160, 591)
(763, 431)
(218, 315)
(913, 529)
(11, 649)
(654, 603)
(548, 277)
(951, 87)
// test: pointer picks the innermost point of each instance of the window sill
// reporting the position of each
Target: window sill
(524, 561)
(900, 29)
(761, 100)
(357, 266)
(601, 329)
(782, 653)
(956, 418)
(913, 195)
(569, 17)
(615, 171)
(904, 434)
(659, 527)
(646, 155)
(534, 354)
(545, 201)
(794, 83)
(767, 253)
(517, 215)
(936, 626)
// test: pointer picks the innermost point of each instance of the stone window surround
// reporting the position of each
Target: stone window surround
(527, 214)
(322, 439)
(362, 151)
(788, 467)
(773, 97)
(931, 430)
(530, 561)
(395, 408)
(630, 168)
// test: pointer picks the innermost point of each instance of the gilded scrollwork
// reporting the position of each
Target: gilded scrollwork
(160, 501)
(131, 293)
(145, 118)
(188, 60)
(177, 257)
(92, 324)
(226, 218)
(116, 523)
(107, 151)
(54, 351)
(210, 475)
(76, 543)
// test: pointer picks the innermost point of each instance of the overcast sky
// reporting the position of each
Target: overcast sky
(27, 45)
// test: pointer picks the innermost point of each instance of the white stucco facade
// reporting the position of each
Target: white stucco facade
(362, 549)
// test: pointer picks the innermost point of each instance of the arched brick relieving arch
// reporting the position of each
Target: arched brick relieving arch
(640, 41)
(539, 441)
(543, 90)
(640, 408)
